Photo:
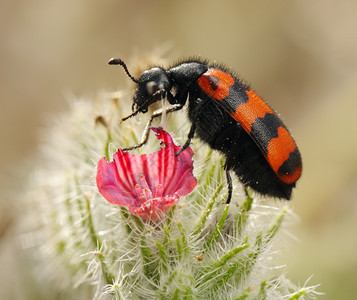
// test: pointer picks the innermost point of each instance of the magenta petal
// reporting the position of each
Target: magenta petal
(111, 187)
(175, 173)
(148, 184)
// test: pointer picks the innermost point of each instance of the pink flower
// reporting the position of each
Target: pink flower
(147, 184)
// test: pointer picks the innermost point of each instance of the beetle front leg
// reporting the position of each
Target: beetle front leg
(156, 114)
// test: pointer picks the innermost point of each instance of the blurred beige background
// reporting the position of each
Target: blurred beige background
(299, 55)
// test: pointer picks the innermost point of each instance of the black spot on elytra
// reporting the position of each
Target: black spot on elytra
(213, 81)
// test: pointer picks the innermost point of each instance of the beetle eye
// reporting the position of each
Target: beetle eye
(151, 87)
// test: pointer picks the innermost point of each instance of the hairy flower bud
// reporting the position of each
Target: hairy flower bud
(202, 248)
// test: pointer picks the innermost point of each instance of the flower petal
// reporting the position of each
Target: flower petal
(150, 183)
(174, 172)
(111, 185)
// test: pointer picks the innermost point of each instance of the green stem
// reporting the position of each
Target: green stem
(182, 243)
(243, 216)
(184, 291)
(163, 255)
(298, 294)
(147, 258)
(275, 226)
(109, 277)
(167, 228)
(107, 145)
(263, 291)
(208, 210)
(126, 216)
(166, 285)
(245, 295)
(261, 240)
(216, 269)
(87, 221)
(218, 229)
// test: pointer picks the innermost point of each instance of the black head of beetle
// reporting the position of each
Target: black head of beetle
(153, 85)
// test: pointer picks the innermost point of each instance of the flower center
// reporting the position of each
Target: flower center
(144, 193)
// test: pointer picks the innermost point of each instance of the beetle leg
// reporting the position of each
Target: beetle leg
(230, 185)
(189, 138)
(156, 114)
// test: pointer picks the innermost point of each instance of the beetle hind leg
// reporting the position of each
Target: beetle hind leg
(230, 185)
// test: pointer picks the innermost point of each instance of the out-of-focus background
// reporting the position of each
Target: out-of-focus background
(301, 56)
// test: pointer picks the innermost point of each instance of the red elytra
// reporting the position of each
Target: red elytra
(279, 150)
(217, 89)
(217, 84)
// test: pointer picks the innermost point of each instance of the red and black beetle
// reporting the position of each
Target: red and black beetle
(230, 117)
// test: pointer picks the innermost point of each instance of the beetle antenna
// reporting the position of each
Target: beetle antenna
(131, 115)
(118, 61)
